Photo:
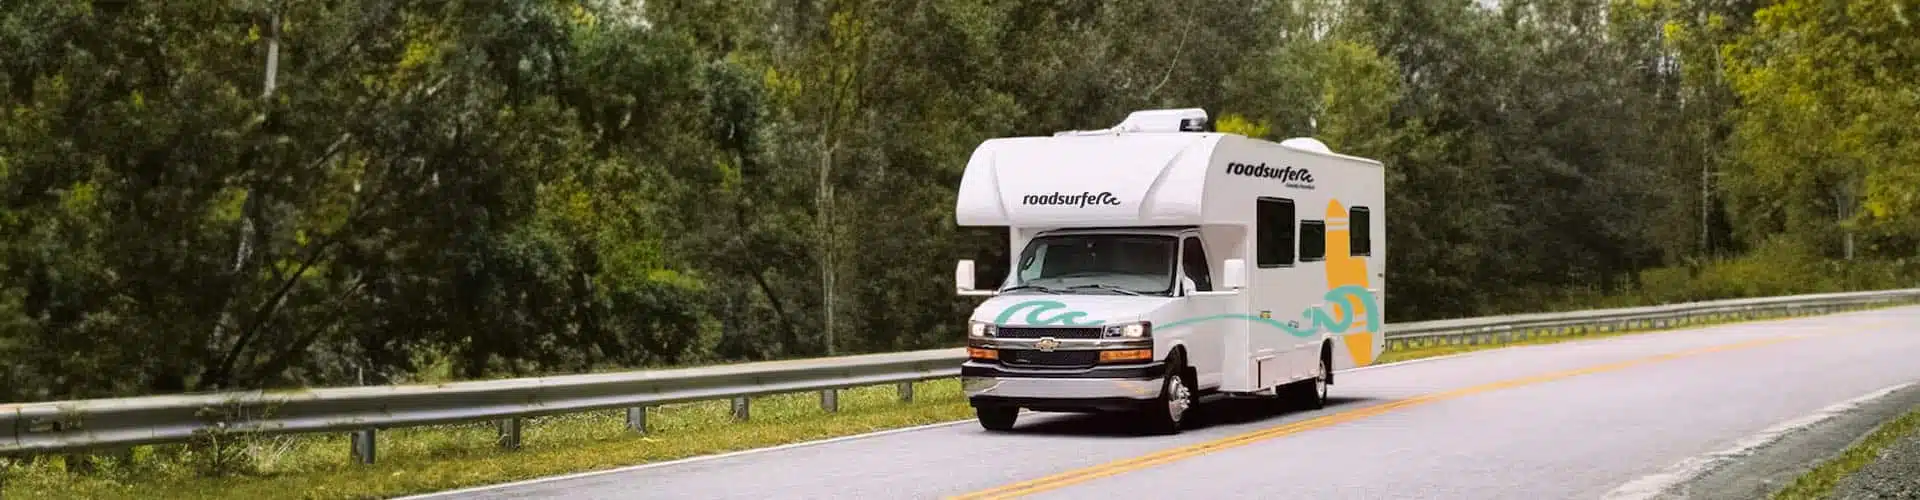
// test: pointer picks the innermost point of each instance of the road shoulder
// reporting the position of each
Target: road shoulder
(1765, 470)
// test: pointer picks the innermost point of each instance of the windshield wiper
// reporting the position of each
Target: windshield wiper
(1104, 286)
(1034, 287)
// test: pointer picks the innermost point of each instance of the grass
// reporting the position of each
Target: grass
(1821, 481)
(426, 459)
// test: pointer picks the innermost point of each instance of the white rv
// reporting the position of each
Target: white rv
(1159, 264)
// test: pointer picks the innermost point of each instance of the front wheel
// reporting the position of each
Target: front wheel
(1170, 410)
(997, 418)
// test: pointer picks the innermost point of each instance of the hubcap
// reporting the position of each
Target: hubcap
(1320, 382)
(1177, 397)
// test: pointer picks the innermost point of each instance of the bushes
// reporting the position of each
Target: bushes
(1777, 267)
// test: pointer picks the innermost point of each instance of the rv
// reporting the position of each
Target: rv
(1159, 264)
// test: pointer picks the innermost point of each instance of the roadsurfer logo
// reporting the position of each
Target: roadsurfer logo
(1077, 200)
(1291, 177)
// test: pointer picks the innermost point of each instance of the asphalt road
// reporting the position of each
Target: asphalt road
(1569, 420)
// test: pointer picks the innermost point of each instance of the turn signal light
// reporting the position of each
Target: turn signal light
(985, 354)
(1126, 355)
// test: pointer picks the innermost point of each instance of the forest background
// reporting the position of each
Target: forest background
(200, 195)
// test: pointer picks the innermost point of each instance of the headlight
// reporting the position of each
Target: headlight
(981, 329)
(1130, 330)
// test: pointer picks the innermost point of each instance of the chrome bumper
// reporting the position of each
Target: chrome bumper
(1060, 388)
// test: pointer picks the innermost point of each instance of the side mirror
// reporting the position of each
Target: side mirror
(963, 281)
(963, 276)
(1233, 275)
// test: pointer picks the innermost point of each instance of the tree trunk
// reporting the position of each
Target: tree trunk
(824, 207)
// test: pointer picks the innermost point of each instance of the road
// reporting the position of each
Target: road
(1569, 420)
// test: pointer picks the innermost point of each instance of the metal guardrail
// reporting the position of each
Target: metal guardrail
(81, 425)
(1504, 329)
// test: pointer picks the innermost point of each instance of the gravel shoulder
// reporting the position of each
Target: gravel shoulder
(1894, 471)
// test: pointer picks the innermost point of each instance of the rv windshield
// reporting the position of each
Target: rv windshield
(1127, 264)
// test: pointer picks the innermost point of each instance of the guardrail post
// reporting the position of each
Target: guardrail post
(906, 392)
(742, 408)
(637, 419)
(363, 446)
(830, 400)
(509, 433)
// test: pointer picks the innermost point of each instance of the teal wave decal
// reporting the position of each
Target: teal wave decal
(1040, 306)
(1318, 319)
(1349, 298)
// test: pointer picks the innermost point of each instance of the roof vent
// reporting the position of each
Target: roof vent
(1307, 143)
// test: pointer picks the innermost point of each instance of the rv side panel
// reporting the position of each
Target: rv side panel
(1295, 205)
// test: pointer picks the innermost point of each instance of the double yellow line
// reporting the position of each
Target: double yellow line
(1073, 477)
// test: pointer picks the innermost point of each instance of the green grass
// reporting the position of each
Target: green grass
(1820, 482)
(426, 459)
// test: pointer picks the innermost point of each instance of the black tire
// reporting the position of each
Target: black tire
(1311, 394)
(1168, 413)
(997, 418)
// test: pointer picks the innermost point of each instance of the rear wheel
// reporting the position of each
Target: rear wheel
(1311, 394)
(997, 418)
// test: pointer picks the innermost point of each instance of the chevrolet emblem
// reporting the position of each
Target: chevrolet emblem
(1046, 344)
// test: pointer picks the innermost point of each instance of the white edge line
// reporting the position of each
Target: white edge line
(703, 458)
(1656, 484)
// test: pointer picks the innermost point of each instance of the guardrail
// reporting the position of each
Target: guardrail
(82, 425)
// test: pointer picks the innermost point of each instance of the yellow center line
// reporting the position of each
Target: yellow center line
(1069, 478)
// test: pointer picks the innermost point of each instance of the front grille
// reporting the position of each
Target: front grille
(1023, 332)
(1055, 359)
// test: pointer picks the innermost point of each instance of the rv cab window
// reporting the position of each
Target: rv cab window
(1194, 260)
(1126, 264)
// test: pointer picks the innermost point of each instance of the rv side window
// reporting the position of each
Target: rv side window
(1273, 221)
(1360, 231)
(1313, 240)
(1194, 260)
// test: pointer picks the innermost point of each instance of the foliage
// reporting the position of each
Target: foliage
(202, 195)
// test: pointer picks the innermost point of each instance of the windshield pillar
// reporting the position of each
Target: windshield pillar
(1193, 264)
